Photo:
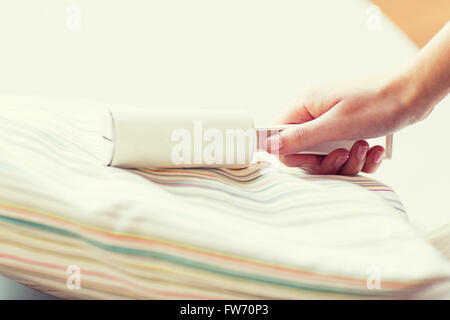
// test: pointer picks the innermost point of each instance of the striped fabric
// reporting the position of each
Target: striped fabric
(265, 231)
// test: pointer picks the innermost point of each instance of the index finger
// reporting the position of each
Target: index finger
(309, 106)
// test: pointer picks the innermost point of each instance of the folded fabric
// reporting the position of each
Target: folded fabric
(265, 231)
(440, 238)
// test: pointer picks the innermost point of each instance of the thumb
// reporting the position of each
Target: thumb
(300, 137)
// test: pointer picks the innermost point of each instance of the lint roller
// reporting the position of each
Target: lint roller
(188, 138)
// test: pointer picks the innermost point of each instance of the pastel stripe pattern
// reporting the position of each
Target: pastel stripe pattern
(265, 231)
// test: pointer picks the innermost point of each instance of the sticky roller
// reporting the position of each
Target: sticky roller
(187, 138)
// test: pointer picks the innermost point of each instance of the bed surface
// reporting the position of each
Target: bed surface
(266, 231)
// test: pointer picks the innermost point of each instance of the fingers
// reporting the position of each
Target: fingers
(298, 114)
(298, 137)
(334, 161)
(330, 164)
(357, 158)
(340, 161)
(309, 105)
(373, 159)
(308, 162)
(309, 125)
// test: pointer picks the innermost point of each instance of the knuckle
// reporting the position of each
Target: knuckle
(301, 134)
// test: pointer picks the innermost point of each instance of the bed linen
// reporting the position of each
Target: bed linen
(265, 231)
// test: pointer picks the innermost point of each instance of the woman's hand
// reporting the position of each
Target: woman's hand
(368, 110)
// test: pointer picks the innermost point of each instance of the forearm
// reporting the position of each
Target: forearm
(426, 79)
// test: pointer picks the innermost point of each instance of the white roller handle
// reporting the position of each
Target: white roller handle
(327, 147)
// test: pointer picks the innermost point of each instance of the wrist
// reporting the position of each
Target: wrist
(410, 95)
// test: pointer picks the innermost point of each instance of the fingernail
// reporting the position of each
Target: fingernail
(361, 152)
(308, 166)
(273, 143)
(378, 156)
(340, 161)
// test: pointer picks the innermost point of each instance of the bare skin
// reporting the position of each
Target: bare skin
(370, 109)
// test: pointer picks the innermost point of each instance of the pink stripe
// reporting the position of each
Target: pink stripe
(106, 276)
